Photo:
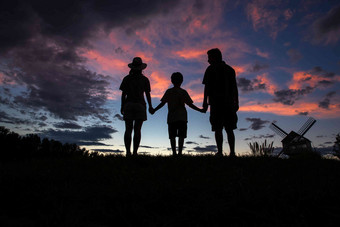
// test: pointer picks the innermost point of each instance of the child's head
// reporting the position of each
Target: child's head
(177, 78)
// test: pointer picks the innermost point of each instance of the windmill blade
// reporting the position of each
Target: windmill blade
(278, 130)
(309, 123)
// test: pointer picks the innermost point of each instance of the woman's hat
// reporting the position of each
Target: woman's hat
(137, 63)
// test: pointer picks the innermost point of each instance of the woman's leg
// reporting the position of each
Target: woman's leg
(127, 136)
(137, 135)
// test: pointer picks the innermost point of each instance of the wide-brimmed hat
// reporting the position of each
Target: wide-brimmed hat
(137, 63)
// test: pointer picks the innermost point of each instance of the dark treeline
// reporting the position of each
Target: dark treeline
(14, 146)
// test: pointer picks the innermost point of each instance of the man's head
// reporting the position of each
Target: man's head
(177, 78)
(214, 56)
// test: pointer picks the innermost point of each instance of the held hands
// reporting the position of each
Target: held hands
(151, 110)
(202, 110)
(205, 107)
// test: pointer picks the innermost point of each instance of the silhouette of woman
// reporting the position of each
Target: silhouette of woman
(133, 106)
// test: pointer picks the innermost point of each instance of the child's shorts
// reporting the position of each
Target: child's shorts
(177, 129)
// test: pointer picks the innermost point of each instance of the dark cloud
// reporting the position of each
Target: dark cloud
(319, 71)
(242, 129)
(327, 28)
(289, 96)
(88, 136)
(119, 117)
(72, 23)
(191, 142)
(91, 143)
(257, 123)
(41, 48)
(5, 118)
(109, 150)
(246, 85)
(268, 136)
(327, 100)
(65, 89)
(203, 137)
(257, 67)
(208, 148)
(303, 113)
(68, 125)
(294, 55)
(149, 147)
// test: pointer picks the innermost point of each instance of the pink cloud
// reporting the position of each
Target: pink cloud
(262, 53)
(267, 14)
(271, 87)
(2, 78)
(195, 89)
(104, 63)
(159, 84)
(239, 69)
(190, 54)
(283, 110)
(302, 79)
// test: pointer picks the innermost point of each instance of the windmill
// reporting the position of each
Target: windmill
(294, 142)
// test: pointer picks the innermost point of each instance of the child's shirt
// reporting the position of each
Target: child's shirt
(176, 98)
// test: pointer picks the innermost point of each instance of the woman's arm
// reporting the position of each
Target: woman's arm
(123, 102)
(148, 99)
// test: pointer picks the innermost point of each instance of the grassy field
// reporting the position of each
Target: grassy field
(168, 191)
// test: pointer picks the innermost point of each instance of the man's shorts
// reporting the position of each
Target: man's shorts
(134, 111)
(177, 129)
(222, 117)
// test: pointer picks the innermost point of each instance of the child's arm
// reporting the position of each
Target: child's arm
(191, 105)
(158, 107)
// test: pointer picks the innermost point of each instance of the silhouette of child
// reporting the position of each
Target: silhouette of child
(176, 97)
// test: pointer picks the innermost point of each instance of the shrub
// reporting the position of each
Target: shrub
(336, 147)
(14, 146)
(264, 149)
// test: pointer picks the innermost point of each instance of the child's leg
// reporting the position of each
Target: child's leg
(180, 145)
(173, 145)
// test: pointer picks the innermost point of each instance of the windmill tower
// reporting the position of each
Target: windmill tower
(294, 142)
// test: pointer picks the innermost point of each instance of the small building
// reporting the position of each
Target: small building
(294, 143)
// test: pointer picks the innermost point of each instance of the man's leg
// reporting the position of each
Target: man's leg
(127, 136)
(137, 135)
(180, 145)
(219, 141)
(231, 141)
(173, 145)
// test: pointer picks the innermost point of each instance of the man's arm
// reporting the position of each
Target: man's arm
(192, 106)
(235, 93)
(205, 99)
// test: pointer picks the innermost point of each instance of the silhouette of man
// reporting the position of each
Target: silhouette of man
(133, 106)
(220, 92)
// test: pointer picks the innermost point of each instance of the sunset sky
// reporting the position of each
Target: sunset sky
(61, 65)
